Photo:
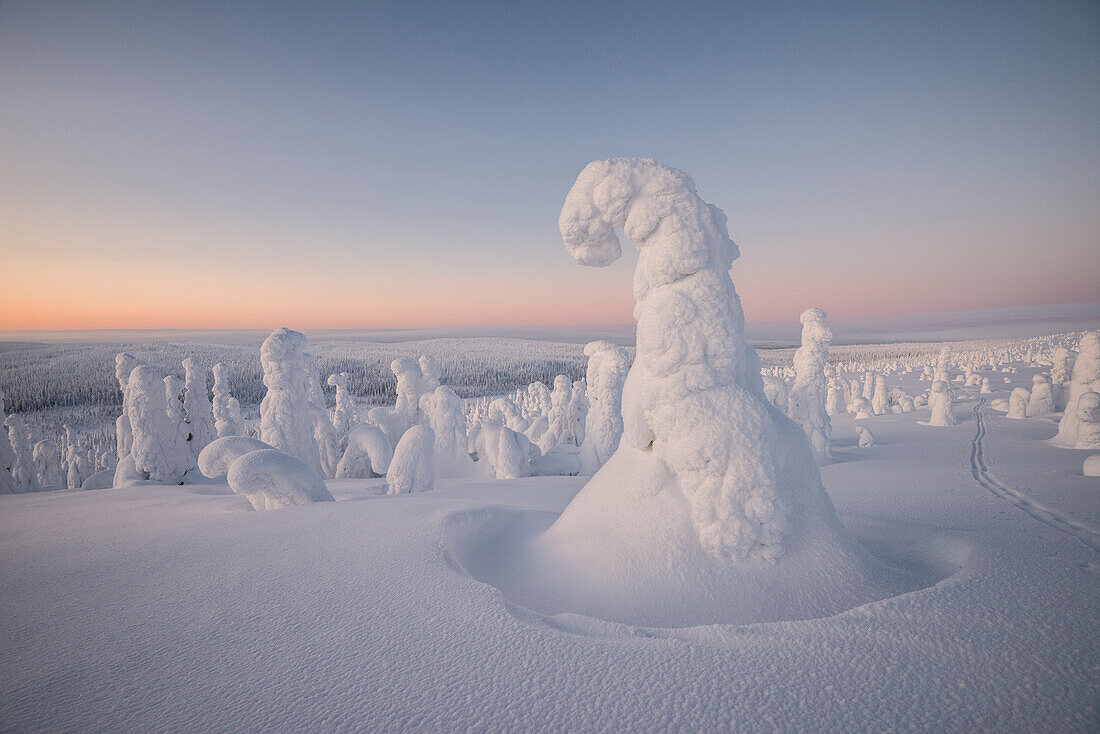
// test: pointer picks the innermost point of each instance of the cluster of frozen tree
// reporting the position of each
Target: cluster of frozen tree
(171, 432)
(30, 461)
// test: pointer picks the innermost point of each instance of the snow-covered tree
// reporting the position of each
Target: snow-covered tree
(806, 403)
(1062, 368)
(197, 410)
(861, 406)
(124, 365)
(451, 455)
(694, 410)
(272, 480)
(507, 453)
(1042, 397)
(343, 415)
(328, 445)
(943, 361)
(577, 413)
(368, 453)
(775, 390)
(226, 409)
(47, 465)
(286, 419)
(1088, 421)
(411, 469)
(942, 405)
(1017, 403)
(607, 369)
(864, 437)
(1086, 378)
(879, 397)
(77, 466)
(160, 451)
(558, 428)
(218, 455)
(24, 477)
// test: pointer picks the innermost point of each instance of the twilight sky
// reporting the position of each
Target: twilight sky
(373, 165)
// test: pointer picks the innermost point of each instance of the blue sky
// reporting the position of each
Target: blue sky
(402, 164)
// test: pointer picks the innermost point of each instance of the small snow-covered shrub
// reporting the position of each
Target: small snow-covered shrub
(866, 439)
(861, 406)
(367, 455)
(1017, 403)
(272, 480)
(1088, 421)
(219, 454)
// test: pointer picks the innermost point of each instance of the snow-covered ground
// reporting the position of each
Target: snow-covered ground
(157, 608)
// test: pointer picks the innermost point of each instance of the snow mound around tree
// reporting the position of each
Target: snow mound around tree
(712, 508)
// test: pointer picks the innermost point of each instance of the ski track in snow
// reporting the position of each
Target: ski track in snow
(1018, 499)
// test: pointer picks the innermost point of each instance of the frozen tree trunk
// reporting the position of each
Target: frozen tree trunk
(806, 404)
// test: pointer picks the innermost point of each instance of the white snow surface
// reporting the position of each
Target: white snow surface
(177, 608)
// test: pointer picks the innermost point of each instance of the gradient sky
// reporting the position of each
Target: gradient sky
(373, 165)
